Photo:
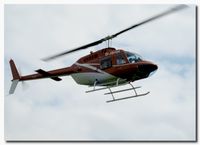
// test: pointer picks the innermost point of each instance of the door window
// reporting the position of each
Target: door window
(120, 59)
(106, 62)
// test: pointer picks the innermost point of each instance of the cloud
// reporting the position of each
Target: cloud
(63, 111)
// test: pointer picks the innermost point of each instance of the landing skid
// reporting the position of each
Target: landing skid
(118, 99)
(115, 92)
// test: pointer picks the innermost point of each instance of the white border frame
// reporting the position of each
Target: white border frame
(3, 2)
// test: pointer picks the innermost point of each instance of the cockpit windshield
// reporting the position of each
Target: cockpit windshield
(133, 57)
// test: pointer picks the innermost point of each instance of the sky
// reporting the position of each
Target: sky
(49, 110)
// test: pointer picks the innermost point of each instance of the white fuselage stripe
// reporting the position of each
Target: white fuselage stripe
(90, 67)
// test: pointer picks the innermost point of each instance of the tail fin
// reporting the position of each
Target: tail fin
(16, 77)
(14, 70)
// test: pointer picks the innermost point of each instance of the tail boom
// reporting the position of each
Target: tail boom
(53, 74)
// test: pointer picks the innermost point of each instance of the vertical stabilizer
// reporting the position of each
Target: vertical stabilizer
(15, 73)
(16, 77)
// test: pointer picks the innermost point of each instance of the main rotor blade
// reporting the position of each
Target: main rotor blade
(73, 50)
(151, 19)
(171, 10)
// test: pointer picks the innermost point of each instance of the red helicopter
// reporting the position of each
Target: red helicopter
(106, 68)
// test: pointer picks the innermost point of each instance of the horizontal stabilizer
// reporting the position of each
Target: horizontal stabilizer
(46, 74)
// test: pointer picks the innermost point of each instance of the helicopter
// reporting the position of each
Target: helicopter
(106, 68)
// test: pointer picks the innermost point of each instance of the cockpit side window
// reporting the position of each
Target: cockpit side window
(106, 62)
(120, 59)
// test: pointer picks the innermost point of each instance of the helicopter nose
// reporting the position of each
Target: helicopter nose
(148, 68)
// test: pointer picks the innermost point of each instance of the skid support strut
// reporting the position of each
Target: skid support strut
(118, 91)
(118, 99)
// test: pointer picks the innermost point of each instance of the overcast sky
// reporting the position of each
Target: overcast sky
(49, 110)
